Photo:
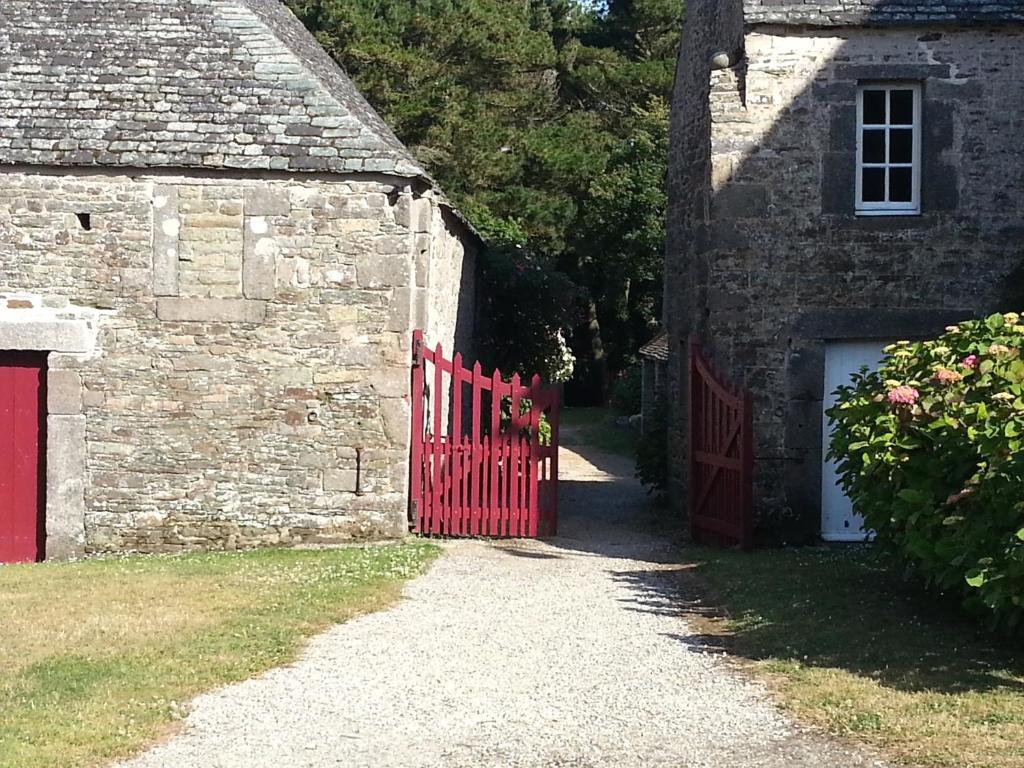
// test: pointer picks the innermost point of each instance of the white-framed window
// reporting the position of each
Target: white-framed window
(888, 149)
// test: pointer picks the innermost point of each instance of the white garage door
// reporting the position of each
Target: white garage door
(842, 359)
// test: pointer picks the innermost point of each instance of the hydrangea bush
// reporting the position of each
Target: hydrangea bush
(930, 451)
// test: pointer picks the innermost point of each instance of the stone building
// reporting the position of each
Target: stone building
(654, 356)
(213, 254)
(842, 175)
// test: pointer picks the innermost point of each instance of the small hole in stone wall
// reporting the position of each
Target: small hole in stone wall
(85, 220)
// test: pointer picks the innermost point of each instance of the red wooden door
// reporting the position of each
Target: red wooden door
(22, 438)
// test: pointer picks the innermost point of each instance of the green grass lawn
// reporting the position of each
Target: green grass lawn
(851, 648)
(596, 427)
(99, 657)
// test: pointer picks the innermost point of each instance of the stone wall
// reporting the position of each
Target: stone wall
(710, 26)
(243, 369)
(777, 263)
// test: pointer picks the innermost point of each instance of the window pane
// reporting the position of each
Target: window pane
(901, 184)
(901, 110)
(874, 146)
(873, 185)
(874, 107)
(901, 146)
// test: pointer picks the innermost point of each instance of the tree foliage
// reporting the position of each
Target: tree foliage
(931, 450)
(546, 123)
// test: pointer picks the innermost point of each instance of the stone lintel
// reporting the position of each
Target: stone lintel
(211, 310)
(838, 324)
(48, 335)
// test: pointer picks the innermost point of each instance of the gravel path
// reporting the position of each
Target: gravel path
(564, 653)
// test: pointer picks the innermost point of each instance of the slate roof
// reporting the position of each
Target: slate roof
(181, 83)
(836, 13)
(656, 348)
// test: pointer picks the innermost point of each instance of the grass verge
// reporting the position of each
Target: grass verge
(595, 427)
(848, 647)
(98, 657)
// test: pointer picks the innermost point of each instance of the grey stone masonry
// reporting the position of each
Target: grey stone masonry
(182, 83)
(768, 260)
(180, 417)
(831, 13)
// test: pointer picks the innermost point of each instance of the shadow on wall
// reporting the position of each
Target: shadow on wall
(767, 258)
(467, 325)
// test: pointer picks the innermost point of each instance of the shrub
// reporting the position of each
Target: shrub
(652, 450)
(930, 453)
(627, 394)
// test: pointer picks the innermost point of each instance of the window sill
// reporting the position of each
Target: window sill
(872, 212)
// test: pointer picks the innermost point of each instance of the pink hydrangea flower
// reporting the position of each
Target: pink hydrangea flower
(903, 396)
(946, 376)
(970, 361)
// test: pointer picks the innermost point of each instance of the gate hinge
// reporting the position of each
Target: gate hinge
(417, 353)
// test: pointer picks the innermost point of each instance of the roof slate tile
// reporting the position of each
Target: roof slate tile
(838, 13)
(181, 83)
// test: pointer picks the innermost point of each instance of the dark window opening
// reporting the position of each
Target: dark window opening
(84, 220)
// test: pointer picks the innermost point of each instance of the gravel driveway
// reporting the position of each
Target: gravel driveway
(563, 653)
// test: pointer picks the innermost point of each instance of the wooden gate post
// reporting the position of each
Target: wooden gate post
(416, 436)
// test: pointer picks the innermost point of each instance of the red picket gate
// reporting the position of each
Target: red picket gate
(477, 468)
(721, 453)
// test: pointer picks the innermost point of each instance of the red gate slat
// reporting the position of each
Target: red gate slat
(533, 465)
(495, 510)
(456, 442)
(513, 458)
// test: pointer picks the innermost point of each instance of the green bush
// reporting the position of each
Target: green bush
(627, 394)
(652, 450)
(930, 452)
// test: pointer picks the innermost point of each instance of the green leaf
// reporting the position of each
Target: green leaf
(1020, 534)
(975, 578)
(912, 496)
